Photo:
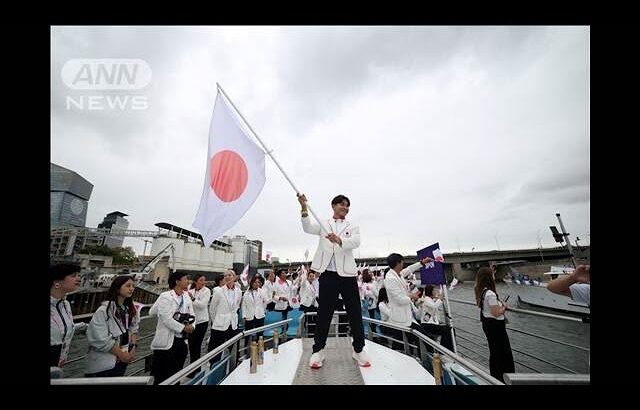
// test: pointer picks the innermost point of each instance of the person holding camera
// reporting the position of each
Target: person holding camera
(175, 320)
(225, 302)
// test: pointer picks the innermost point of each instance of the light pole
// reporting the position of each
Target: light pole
(540, 244)
(144, 252)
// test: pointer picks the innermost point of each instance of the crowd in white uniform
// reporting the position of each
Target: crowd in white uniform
(220, 308)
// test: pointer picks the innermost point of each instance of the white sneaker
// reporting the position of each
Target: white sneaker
(316, 360)
(362, 358)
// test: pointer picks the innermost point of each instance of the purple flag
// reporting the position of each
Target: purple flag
(433, 272)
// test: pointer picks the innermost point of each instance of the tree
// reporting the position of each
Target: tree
(121, 256)
(98, 250)
(124, 256)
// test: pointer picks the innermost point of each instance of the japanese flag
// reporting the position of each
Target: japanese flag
(234, 174)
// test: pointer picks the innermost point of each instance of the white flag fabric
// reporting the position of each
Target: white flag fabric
(234, 177)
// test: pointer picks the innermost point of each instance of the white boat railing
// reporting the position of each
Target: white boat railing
(418, 346)
(120, 381)
(229, 359)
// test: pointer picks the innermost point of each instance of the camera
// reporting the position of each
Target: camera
(184, 318)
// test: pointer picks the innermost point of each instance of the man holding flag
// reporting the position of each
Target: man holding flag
(336, 265)
(235, 176)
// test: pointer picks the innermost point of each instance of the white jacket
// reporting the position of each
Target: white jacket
(104, 332)
(268, 290)
(350, 235)
(201, 304)
(345, 263)
(283, 290)
(62, 326)
(167, 327)
(254, 303)
(400, 303)
(308, 294)
(221, 312)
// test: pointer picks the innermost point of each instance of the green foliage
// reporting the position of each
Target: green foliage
(124, 256)
(121, 256)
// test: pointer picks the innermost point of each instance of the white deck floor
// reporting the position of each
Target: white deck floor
(277, 368)
(391, 367)
(387, 367)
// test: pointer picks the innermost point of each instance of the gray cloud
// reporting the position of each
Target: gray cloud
(450, 134)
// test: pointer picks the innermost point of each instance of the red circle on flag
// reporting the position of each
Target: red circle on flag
(229, 175)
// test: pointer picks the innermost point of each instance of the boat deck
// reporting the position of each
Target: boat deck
(291, 366)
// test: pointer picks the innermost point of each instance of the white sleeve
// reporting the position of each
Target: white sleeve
(581, 292)
(202, 299)
(310, 227)
(192, 311)
(410, 269)
(165, 315)
(98, 335)
(384, 309)
(491, 299)
(396, 293)
(214, 304)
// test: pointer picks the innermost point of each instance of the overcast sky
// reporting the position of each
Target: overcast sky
(473, 137)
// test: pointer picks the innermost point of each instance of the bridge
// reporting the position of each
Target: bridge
(464, 264)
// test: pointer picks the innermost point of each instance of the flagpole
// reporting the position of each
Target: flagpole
(268, 152)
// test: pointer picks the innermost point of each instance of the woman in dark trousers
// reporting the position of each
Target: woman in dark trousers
(493, 324)
(200, 296)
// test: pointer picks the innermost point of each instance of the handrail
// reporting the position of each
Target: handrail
(469, 365)
(527, 312)
(124, 380)
(546, 379)
(586, 349)
(75, 359)
(174, 379)
(521, 352)
(486, 376)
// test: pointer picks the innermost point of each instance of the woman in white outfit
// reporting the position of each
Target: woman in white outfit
(223, 311)
(175, 311)
(200, 296)
(113, 331)
(282, 288)
(64, 278)
(254, 303)
(430, 303)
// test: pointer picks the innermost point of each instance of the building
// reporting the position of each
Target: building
(70, 195)
(114, 220)
(245, 251)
